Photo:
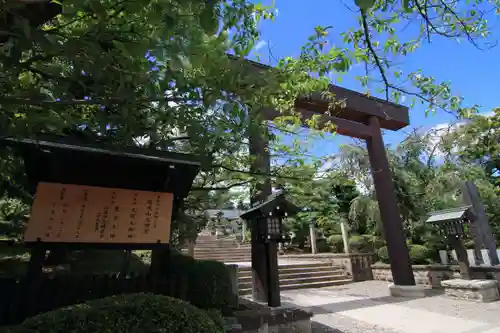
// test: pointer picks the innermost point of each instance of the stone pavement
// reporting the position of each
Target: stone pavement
(366, 307)
(281, 262)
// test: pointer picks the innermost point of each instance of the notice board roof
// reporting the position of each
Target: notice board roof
(70, 160)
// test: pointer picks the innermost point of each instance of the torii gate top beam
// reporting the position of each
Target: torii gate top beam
(352, 119)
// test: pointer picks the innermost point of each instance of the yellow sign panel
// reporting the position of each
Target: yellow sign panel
(86, 214)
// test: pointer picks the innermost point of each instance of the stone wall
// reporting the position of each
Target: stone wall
(432, 275)
(357, 266)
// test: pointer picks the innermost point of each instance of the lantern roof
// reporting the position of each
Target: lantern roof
(451, 215)
(273, 202)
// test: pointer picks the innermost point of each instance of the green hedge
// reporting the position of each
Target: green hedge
(136, 313)
(209, 283)
(419, 254)
(336, 242)
(383, 254)
(357, 243)
(323, 246)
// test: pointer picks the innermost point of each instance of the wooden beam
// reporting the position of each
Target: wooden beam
(344, 126)
(360, 107)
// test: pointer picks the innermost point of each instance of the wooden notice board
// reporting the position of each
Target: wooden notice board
(64, 213)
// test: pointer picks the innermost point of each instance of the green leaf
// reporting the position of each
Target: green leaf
(406, 6)
(209, 20)
(364, 5)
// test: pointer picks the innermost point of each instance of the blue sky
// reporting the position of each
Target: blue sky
(473, 73)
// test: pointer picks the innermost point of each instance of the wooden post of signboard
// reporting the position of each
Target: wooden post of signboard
(35, 265)
(127, 256)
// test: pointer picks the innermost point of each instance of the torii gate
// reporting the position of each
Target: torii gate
(363, 117)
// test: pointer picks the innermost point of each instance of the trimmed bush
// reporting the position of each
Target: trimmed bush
(336, 242)
(135, 313)
(419, 254)
(359, 244)
(383, 254)
(322, 246)
(209, 285)
(372, 243)
(208, 281)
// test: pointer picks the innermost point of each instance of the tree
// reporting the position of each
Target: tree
(478, 142)
(158, 74)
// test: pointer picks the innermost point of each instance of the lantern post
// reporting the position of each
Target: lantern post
(266, 220)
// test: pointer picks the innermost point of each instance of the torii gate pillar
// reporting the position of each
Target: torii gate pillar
(402, 272)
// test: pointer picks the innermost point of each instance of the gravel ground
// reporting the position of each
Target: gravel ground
(373, 293)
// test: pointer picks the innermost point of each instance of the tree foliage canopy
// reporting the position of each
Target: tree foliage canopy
(158, 74)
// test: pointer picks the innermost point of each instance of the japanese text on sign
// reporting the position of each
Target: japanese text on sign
(85, 214)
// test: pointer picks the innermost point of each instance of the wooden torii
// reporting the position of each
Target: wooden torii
(363, 117)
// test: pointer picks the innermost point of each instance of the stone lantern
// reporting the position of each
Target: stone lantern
(454, 225)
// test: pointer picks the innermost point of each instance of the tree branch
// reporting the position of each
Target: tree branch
(366, 32)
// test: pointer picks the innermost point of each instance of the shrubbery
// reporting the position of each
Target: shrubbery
(322, 246)
(383, 254)
(336, 242)
(357, 244)
(419, 254)
(209, 284)
(135, 313)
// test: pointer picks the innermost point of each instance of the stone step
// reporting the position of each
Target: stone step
(220, 250)
(202, 246)
(218, 257)
(302, 275)
(222, 254)
(299, 281)
(300, 267)
(225, 260)
(246, 291)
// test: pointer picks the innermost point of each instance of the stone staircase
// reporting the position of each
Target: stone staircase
(227, 250)
(299, 276)
(293, 275)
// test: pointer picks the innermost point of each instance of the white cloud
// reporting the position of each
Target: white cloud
(260, 45)
(327, 166)
(437, 133)
(488, 114)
